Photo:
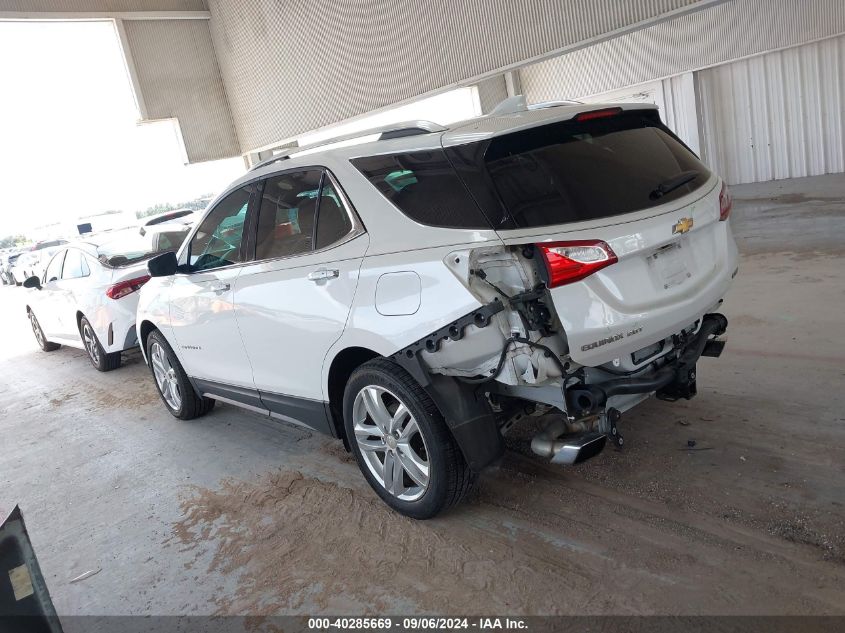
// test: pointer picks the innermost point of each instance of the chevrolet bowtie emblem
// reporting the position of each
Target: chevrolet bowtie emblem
(682, 226)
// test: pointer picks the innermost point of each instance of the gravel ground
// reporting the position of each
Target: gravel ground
(235, 514)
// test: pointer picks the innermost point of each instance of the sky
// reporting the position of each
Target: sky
(70, 142)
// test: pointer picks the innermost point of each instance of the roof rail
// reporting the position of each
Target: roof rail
(385, 132)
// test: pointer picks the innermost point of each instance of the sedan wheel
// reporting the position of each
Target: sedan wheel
(100, 358)
(391, 444)
(90, 342)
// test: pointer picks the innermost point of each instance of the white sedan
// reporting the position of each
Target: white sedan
(87, 296)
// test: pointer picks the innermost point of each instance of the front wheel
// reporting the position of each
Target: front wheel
(101, 360)
(172, 382)
(401, 442)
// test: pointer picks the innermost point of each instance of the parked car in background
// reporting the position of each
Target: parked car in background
(87, 296)
(7, 260)
(419, 295)
(32, 262)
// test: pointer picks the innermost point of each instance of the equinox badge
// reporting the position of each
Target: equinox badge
(682, 226)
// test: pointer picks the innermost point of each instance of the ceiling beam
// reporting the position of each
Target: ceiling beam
(52, 16)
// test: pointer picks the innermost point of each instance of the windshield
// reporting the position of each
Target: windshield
(129, 247)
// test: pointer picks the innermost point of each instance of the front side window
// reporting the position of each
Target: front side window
(218, 240)
(287, 214)
(75, 265)
(54, 268)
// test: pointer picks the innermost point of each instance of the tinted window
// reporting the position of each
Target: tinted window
(573, 171)
(218, 240)
(54, 268)
(75, 265)
(425, 187)
(287, 214)
(333, 222)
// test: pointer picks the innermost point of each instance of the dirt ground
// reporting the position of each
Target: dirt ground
(235, 514)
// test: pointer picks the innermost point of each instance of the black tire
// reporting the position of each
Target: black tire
(96, 354)
(450, 478)
(43, 343)
(191, 405)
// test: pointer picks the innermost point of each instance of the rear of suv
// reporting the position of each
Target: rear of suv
(420, 294)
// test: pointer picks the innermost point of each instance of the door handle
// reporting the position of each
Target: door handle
(219, 286)
(323, 274)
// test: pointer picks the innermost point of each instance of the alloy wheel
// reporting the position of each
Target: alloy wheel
(391, 443)
(165, 375)
(90, 342)
(36, 329)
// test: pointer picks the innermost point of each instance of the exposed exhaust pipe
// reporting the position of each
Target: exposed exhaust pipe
(548, 443)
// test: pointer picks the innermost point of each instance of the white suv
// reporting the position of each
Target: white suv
(418, 294)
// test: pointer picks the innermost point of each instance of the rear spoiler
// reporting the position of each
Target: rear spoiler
(25, 604)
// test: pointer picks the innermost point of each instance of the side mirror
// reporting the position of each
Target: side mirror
(163, 265)
(32, 282)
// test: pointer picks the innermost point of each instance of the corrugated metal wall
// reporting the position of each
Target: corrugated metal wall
(690, 42)
(295, 66)
(778, 115)
(178, 76)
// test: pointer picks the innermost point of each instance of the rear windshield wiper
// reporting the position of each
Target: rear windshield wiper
(670, 184)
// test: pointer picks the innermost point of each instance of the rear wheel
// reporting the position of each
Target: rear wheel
(172, 382)
(401, 442)
(101, 360)
(42, 341)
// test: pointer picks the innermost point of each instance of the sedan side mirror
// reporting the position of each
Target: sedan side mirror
(163, 265)
(32, 282)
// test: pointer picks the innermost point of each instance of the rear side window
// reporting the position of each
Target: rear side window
(574, 171)
(424, 186)
(75, 265)
(287, 214)
(333, 222)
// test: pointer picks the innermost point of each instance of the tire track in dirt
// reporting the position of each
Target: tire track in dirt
(525, 542)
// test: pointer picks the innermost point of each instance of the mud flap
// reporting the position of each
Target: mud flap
(25, 604)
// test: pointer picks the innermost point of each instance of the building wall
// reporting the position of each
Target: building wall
(719, 34)
(778, 115)
(178, 77)
(296, 66)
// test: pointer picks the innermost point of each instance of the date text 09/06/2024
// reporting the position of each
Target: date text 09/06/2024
(417, 623)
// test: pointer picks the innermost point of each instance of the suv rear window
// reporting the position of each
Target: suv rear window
(573, 171)
(424, 186)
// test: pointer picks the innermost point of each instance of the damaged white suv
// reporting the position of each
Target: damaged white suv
(418, 294)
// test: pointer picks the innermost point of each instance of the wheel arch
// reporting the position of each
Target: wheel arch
(146, 328)
(342, 365)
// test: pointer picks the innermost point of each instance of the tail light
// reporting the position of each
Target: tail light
(123, 288)
(726, 203)
(567, 262)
